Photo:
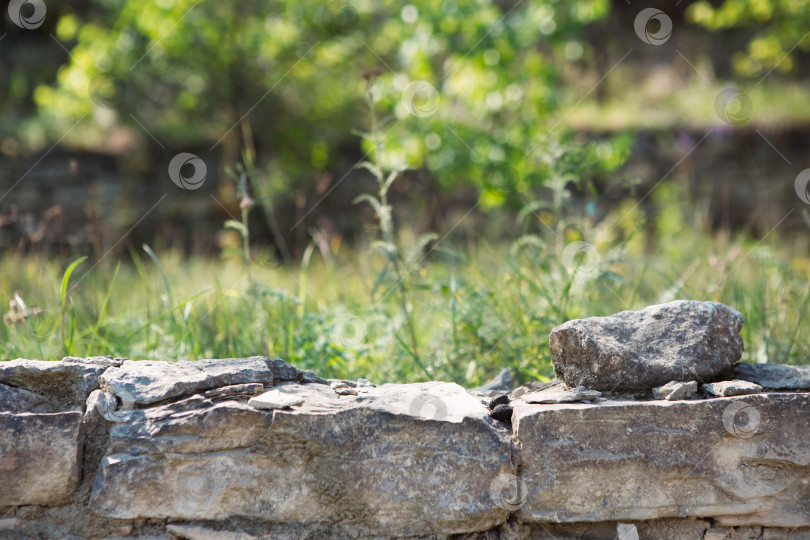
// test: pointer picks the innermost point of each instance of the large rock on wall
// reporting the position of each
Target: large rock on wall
(742, 460)
(684, 340)
(396, 460)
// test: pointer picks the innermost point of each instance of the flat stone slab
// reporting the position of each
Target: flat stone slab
(64, 385)
(561, 396)
(39, 457)
(274, 399)
(685, 340)
(738, 460)
(143, 382)
(395, 460)
(731, 388)
(675, 390)
(775, 376)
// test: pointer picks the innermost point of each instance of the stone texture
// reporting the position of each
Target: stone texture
(561, 396)
(739, 460)
(639, 350)
(39, 457)
(21, 400)
(775, 376)
(731, 388)
(626, 531)
(65, 385)
(398, 460)
(145, 382)
(675, 390)
(274, 399)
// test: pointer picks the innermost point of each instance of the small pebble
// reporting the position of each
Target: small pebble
(503, 399)
(502, 413)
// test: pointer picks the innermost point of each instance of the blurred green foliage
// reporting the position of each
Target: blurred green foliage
(781, 29)
(469, 88)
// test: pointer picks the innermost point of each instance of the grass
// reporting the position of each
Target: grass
(664, 100)
(474, 312)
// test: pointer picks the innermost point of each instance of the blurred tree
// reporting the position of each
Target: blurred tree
(781, 29)
(471, 87)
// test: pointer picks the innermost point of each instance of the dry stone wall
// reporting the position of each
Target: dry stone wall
(255, 448)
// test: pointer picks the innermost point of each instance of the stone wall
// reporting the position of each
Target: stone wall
(254, 448)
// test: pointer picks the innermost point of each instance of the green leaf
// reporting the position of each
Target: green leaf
(233, 224)
(66, 278)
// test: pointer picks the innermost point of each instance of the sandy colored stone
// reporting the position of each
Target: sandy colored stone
(399, 460)
(738, 460)
(39, 457)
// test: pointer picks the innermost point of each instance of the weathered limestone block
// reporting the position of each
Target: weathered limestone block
(143, 382)
(396, 460)
(683, 340)
(743, 460)
(64, 385)
(39, 457)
